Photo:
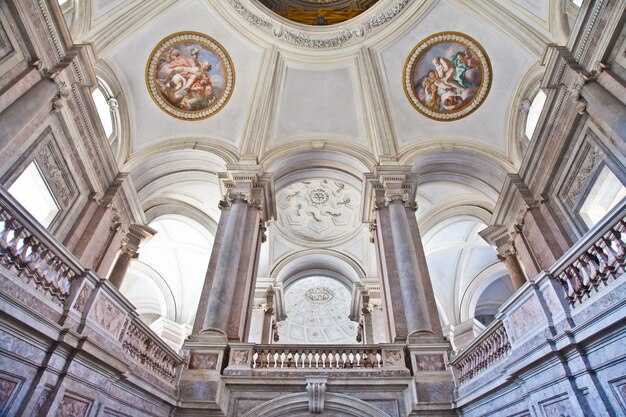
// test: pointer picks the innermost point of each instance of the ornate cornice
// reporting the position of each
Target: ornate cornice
(388, 184)
(335, 39)
(251, 185)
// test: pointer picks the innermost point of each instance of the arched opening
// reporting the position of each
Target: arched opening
(318, 310)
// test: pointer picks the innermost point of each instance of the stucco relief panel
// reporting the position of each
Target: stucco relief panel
(318, 209)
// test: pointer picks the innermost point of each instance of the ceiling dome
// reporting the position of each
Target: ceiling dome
(318, 12)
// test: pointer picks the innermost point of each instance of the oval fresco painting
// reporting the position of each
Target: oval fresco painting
(190, 76)
(447, 76)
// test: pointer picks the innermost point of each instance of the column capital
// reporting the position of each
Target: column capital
(251, 184)
(388, 183)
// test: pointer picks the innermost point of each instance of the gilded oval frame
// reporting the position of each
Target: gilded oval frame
(209, 45)
(421, 50)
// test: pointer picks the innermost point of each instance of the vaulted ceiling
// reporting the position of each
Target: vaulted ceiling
(323, 103)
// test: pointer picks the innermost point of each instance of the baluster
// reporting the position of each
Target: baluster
(33, 259)
(613, 254)
(564, 279)
(331, 358)
(363, 359)
(603, 269)
(591, 267)
(618, 244)
(255, 358)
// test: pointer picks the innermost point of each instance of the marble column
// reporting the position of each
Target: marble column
(128, 251)
(366, 321)
(513, 266)
(407, 288)
(268, 317)
(228, 294)
(504, 243)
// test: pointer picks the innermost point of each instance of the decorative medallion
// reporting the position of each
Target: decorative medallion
(190, 76)
(447, 76)
(319, 295)
(318, 196)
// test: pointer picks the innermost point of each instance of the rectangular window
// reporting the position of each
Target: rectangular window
(606, 192)
(31, 190)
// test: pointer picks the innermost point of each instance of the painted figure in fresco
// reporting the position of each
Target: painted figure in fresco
(446, 72)
(450, 84)
(185, 80)
(467, 67)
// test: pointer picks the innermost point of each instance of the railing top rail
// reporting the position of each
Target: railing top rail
(488, 331)
(314, 346)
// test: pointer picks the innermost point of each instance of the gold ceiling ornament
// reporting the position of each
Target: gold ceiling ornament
(190, 76)
(447, 76)
(320, 17)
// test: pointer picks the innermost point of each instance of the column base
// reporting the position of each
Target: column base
(424, 336)
(210, 336)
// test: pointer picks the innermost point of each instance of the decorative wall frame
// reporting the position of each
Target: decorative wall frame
(447, 76)
(190, 76)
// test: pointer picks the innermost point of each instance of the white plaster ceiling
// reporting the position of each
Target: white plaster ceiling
(317, 312)
(486, 126)
(316, 103)
(461, 265)
(167, 277)
(128, 58)
(300, 109)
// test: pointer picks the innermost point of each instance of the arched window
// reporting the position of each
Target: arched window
(534, 112)
(105, 111)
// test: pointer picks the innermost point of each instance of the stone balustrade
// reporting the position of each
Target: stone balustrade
(33, 256)
(322, 357)
(326, 358)
(138, 341)
(597, 260)
(489, 347)
(594, 263)
(33, 261)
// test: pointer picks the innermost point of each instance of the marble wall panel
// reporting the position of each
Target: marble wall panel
(107, 315)
(83, 297)
(203, 361)
(560, 407)
(71, 406)
(524, 319)
(9, 387)
(430, 362)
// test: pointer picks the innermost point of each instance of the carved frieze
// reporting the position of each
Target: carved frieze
(203, 360)
(586, 168)
(430, 362)
(5, 44)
